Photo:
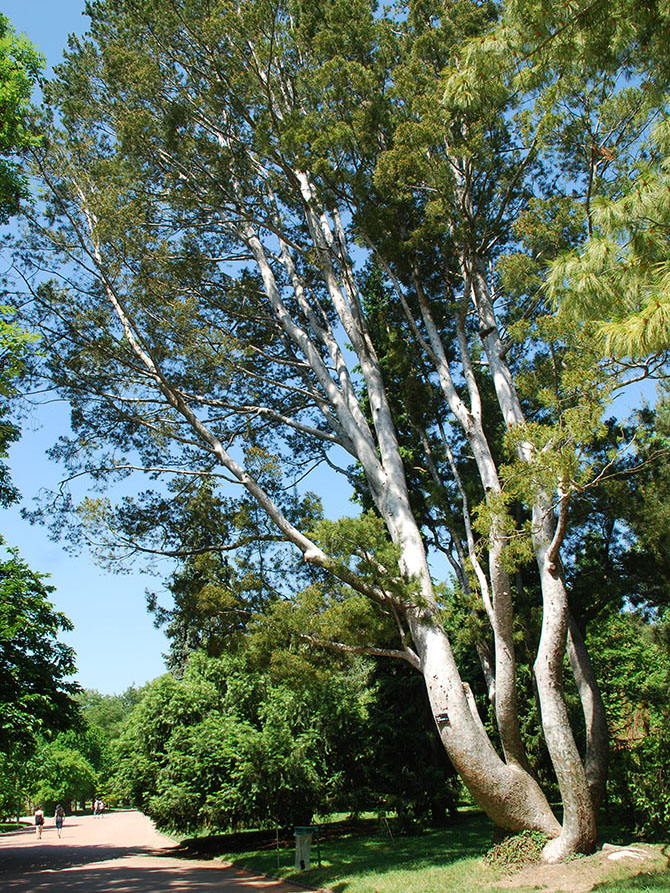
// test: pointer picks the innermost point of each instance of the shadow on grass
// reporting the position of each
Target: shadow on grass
(12, 827)
(640, 884)
(348, 849)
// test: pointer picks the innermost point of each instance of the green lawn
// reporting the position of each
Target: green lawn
(364, 859)
(6, 827)
(645, 883)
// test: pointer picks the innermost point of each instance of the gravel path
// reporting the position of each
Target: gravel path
(119, 853)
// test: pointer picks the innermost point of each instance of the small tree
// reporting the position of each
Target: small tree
(35, 688)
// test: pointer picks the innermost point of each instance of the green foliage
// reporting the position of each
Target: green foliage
(13, 774)
(632, 658)
(104, 715)
(231, 744)
(517, 850)
(208, 324)
(226, 747)
(621, 277)
(35, 691)
(14, 352)
(20, 66)
(61, 774)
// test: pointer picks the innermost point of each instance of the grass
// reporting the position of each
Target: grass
(362, 858)
(6, 827)
(643, 883)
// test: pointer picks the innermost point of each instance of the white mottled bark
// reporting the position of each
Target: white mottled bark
(595, 719)
(510, 796)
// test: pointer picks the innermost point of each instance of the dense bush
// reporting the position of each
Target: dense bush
(632, 658)
(61, 774)
(227, 747)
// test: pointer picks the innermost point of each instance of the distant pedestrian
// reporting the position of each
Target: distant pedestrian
(96, 806)
(101, 808)
(39, 822)
(59, 815)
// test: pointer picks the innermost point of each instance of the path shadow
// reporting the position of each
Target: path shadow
(37, 858)
(29, 830)
(130, 879)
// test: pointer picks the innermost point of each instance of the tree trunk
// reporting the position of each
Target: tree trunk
(508, 794)
(578, 832)
(597, 735)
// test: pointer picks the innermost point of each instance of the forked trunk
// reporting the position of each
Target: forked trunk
(508, 794)
(595, 719)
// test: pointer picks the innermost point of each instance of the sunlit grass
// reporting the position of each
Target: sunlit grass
(372, 862)
(366, 859)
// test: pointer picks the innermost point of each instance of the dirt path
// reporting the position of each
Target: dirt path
(119, 853)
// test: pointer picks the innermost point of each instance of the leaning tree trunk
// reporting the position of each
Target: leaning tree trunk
(508, 794)
(497, 597)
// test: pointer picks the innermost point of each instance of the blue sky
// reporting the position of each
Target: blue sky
(116, 642)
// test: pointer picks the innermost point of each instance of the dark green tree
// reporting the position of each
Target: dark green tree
(227, 746)
(633, 660)
(60, 773)
(35, 667)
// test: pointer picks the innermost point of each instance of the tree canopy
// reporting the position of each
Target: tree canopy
(35, 688)
(20, 66)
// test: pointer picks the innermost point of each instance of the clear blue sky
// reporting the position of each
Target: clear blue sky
(116, 642)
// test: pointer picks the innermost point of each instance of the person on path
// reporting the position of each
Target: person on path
(59, 815)
(39, 822)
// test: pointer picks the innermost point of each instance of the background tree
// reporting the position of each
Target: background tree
(619, 278)
(20, 67)
(633, 659)
(35, 689)
(230, 748)
(35, 667)
(60, 773)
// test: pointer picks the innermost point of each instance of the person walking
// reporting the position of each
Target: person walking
(59, 815)
(39, 822)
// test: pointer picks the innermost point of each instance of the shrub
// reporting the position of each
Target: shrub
(517, 850)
